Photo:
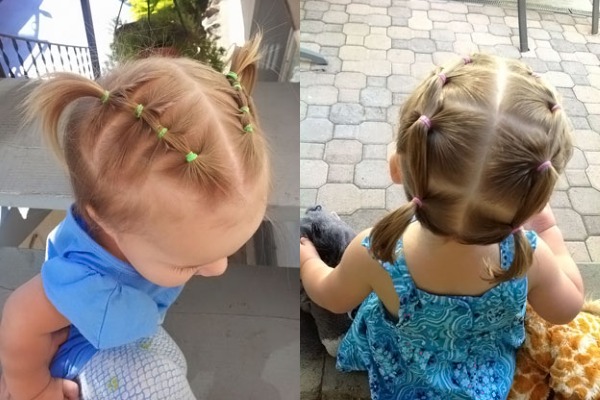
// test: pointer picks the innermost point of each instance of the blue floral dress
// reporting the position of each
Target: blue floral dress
(439, 347)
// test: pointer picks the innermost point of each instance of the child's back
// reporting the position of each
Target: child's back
(480, 146)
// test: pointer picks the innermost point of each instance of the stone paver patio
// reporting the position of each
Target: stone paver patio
(377, 51)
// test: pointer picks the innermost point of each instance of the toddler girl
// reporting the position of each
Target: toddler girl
(444, 279)
(170, 174)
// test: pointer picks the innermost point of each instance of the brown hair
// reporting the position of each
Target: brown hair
(475, 165)
(175, 116)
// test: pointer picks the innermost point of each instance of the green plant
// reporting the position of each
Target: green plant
(166, 27)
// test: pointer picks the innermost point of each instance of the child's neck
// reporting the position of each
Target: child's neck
(109, 244)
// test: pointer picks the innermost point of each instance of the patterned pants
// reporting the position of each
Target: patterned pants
(149, 369)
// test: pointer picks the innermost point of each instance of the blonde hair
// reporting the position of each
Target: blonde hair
(201, 125)
(475, 139)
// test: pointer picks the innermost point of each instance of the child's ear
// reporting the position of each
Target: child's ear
(395, 171)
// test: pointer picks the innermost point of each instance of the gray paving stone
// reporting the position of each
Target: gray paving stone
(592, 224)
(578, 251)
(552, 26)
(574, 68)
(316, 130)
(372, 198)
(313, 151)
(364, 9)
(353, 40)
(377, 54)
(395, 197)
(375, 113)
(439, 15)
(303, 109)
(593, 157)
(420, 45)
(316, 6)
(574, 108)
(453, 7)
(308, 197)
(317, 176)
(343, 151)
(312, 26)
(594, 80)
(578, 160)
(580, 123)
(347, 113)
(537, 65)
(420, 21)
(330, 51)
(563, 19)
(318, 111)
(371, 174)
(350, 80)
(594, 48)
(339, 7)
(570, 224)
(562, 45)
(593, 173)
(353, 53)
(376, 81)
(346, 131)
(444, 46)
(375, 97)
(593, 245)
(399, 21)
(585, 200)
(319, 95)
(343, 198)
(499, 30)
(443, 35)
(577, 177)
(580, 79)
(335, 17)
(330, 38)
(340, 173)
(587, 139)
(587, 58)
(394, 114)
(546, 54)
(356, 29)
(380, 42)
(554, 66)
(404, 12)
(559, 79)
(333, 28)
(594, 121)
(369, 67)
(375, 133)
(375, 151)
(349, 96)
(560, 199)
(361, 220)
(313, 15)
(311, 78)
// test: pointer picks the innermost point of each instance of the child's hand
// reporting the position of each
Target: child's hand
(307, 251)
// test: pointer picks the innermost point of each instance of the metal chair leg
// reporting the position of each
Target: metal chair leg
(522, 15)
(595, 16)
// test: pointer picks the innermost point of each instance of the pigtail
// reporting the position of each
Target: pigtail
(523, 258)
(244, 62)
(386, 233)
(49, 100)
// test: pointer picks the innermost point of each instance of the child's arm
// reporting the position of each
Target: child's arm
(31, 331)
(556, 290)
(339, 289)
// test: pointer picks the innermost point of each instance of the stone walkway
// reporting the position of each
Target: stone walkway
(378, 50)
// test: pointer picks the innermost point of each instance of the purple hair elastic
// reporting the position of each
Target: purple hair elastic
(544, 166)
(517, 229)
(467, 60)
(425, 119)
(417, 201)
(555, 107)
(442, 77)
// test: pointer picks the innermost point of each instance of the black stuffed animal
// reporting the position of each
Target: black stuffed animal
(330, 236)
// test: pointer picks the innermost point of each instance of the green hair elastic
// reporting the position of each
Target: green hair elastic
(138, 110)
(237, 86)
(162, 132)
(245, 109)
(105, 97)
(191, 156)
(232, 75)
(248, 128)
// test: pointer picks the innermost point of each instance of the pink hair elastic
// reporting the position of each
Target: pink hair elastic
(535, 75)
(417, 201)
(544, 166)
(442, 77)
(424, 119)
(467, 60)
(555, 107)
(517, 229)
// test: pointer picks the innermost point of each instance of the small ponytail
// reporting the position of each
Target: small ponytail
(49, 100)
(386, 233)
(523, 258)
(244, 62)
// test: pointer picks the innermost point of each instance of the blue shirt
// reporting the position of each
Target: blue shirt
(106, 300)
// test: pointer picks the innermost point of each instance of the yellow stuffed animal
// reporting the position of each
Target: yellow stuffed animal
(559, 359)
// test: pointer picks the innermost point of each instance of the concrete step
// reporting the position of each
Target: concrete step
(320, 380)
